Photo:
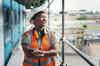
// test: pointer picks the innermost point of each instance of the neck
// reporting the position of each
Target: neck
(38, 28)
(44, 29)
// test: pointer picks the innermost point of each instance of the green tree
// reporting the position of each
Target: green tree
(82, 18)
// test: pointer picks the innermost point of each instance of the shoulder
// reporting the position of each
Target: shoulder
(52, 33)
(26, 37)
(27, 33)
(55, 35)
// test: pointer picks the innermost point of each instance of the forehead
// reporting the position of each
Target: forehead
(42, 14)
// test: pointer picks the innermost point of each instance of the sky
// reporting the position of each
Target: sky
(75, 5)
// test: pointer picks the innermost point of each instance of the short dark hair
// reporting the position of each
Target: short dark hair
(35, 15)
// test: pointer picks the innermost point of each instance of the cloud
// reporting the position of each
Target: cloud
(56, 6)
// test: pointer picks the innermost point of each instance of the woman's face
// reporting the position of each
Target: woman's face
(41, 20)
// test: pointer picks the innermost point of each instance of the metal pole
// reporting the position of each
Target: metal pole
(62, 63)
(48, 13)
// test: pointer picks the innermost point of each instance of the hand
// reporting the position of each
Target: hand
(44, 52)
(37, 50)
(37, 53)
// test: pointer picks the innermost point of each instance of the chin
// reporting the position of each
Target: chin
(43, 25)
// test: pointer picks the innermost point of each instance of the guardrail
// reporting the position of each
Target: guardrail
(85, 57)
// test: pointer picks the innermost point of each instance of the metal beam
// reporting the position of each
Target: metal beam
(62, 63)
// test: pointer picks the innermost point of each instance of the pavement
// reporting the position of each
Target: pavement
(72, 58)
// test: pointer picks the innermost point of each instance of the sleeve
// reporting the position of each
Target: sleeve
(25, 45)
(53, 40)
(25, 39)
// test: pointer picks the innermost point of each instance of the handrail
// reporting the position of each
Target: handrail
(85, 57)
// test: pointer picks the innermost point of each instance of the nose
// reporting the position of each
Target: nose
(44, 19)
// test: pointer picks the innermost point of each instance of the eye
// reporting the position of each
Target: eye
(43, 17)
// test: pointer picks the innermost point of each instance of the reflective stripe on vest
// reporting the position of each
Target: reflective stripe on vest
(46, 63)
(45, 45)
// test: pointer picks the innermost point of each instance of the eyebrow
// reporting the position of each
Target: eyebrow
(41, 15)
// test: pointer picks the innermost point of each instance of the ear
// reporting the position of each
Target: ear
(31, 21)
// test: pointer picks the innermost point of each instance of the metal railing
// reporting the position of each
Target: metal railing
(82, 55)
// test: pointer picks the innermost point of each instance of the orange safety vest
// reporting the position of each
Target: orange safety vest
(45, 45)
